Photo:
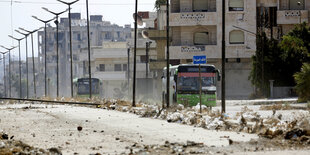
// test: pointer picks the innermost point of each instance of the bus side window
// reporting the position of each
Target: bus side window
(175, 77)
(218, 75)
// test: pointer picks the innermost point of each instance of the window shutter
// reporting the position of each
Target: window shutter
(236, 37)
(200, 5)
(236, 3)
(201, 38)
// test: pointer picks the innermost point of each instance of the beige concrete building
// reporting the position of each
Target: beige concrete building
(196, 29)
(110, 64)
(281, 15)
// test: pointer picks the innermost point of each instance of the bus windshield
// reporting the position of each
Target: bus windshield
(192, 83)
(188, 78)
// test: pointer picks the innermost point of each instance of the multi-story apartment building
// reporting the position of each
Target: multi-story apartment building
(281, 15)
(196, 27)
(100, 31)
(112, 63)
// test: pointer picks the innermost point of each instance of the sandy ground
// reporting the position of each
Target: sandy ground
(107, 132)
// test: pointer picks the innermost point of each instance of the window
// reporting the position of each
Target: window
(79, 37)
(117, 67)
(143, 58)
(236, 5)
(200, 5)
(236, 37)
(101, 67)
(297, 5)
(201, 38)
(124, 67)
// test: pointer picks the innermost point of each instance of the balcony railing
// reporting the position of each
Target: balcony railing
(193, 18)
(292, 16)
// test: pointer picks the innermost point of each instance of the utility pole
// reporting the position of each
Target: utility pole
(70, 31)
(135, 56)
(4, 76)
(9, 51)
(20, 70)
(27, 77)
(128, 67)
(89, 63)
(168, 57)
(223, 57)
(45, 47)
(57, 42)
(147, 50)
(33, 66)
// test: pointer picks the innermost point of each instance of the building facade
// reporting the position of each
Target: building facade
(196, 27)
(100, 31)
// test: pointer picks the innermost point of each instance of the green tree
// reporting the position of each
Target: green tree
(302, 79)
(296, 46)
(158, 3)
(267, 55)
(281, 59)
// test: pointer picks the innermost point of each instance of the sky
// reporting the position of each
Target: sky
(18, 14)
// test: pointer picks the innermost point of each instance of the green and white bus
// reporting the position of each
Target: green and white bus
(185, 84)
(81, 87)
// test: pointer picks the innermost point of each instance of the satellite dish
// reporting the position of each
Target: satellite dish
(145, 34)
(139, 19)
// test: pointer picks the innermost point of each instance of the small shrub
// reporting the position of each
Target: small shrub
(302, 79)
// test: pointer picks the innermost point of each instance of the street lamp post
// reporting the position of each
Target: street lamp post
(9, 50)
(57, 48)
(168, 58)
(135, 56)
(70, 29)
(223, 57)
(27, 77)
(20, 70)
(89, 64)
(128, 67)
(33, 66)
(45, 47)
(4, 76)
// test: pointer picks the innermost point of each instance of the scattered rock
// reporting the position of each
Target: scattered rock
(79, 128)
(5, 136)
(55, 151)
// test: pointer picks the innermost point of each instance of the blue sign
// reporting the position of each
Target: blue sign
(201, 59)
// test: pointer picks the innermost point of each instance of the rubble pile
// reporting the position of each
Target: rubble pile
(245, 121)
(168, 147)
(298, 128)
(9, 146)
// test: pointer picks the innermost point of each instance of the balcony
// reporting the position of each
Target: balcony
(292, 16)
(193, 18)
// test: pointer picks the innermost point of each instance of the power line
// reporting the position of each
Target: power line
(34, 2)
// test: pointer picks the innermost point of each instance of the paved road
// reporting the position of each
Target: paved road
(108, 132)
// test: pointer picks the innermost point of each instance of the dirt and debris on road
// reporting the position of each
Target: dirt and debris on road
(9, 146)
(110, 129)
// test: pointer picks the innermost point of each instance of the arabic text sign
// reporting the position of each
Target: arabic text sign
(201, 59)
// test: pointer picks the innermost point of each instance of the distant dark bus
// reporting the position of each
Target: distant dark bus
(81, 87)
